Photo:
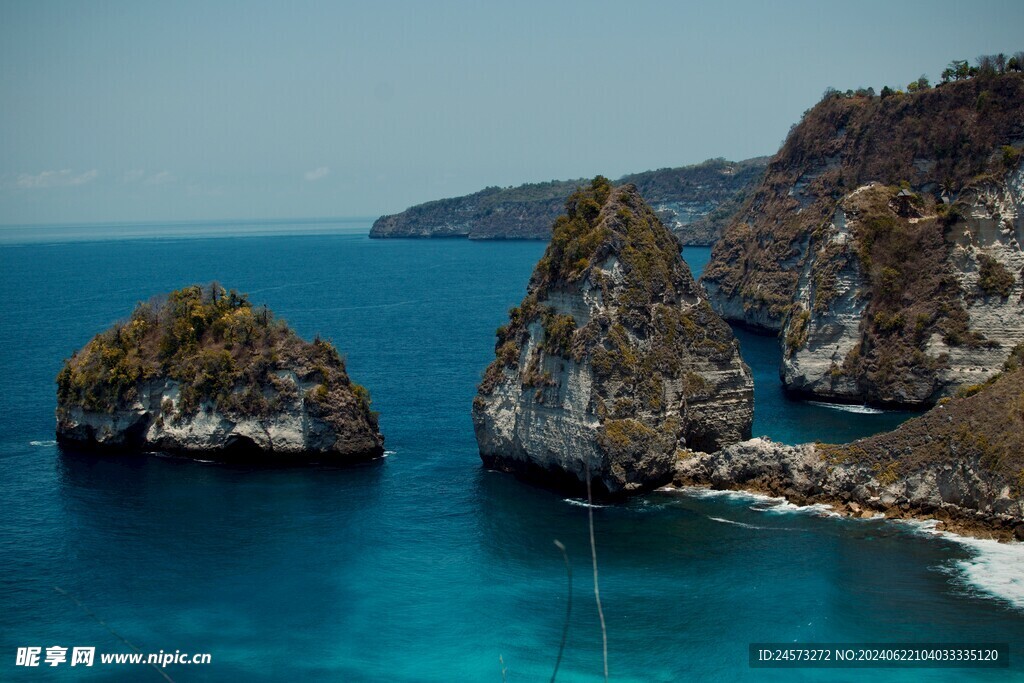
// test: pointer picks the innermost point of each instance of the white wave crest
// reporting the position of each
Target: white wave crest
(785, 507)
(761, 502)
(42, 443)
(848, 407)
(703, 492)
(583, 503)
(734, 522)
(996, 569)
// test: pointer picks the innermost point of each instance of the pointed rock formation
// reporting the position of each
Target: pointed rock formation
(613, 360)
(202, 372)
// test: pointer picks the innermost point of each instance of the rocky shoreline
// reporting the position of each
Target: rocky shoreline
(962, 497)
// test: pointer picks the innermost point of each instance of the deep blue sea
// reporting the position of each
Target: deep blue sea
(424, 566)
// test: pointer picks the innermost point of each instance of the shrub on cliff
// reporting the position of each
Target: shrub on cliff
(993, 277)
(217, 347)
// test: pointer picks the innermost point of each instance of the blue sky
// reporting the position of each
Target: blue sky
(138, 111)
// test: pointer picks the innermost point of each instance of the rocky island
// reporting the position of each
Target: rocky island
(200, 371)
(883, 245)
(694, 201)
(614, 360)
(961, 463)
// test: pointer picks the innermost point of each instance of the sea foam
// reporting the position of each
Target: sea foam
(760, 502)
(582, 503)
(995, 568)
(735, 523)
(703, 492)
(786, 507)
(848, 407)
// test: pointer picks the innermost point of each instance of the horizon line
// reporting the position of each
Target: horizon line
(190, 221)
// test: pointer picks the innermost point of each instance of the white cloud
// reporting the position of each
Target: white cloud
(62, 178)
(317, 173)
(161, 178)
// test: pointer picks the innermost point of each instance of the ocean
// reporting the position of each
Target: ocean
(423, 566)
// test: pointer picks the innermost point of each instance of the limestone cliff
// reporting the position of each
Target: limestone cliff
(202, 372)
(961, 463)
(884, 244)
(613, 360)
(693, 201)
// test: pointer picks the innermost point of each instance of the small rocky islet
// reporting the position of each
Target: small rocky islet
(203, 372)
(614, 361)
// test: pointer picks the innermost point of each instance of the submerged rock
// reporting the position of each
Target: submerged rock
(613, 360)
(202, 372)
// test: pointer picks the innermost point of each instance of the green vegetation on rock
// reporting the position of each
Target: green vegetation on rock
(932, 138)
(983, 424)
(993, 277)
(219, 349)
(876, 207)
(614, 327)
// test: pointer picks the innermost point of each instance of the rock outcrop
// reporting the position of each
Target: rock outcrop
(694, 201)
(884, 244)
(202, 372)
(613, 361)
(962, 463)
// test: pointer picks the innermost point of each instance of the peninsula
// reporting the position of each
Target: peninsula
(695, 202)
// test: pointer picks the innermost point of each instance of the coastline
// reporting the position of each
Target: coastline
(943, 520)
(959, 497)
(996, 565)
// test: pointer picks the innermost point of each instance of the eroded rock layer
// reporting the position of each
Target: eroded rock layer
(884, 244)
(202, 372)
(613, 361)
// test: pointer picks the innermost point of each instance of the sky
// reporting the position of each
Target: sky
(173, 111)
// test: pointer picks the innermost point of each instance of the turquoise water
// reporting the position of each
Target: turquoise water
(786, 420)
(423, 567)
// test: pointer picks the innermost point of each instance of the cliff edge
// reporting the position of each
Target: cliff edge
(884, 244)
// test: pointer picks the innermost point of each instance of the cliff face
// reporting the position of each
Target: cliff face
(697, 202)
(694, 201)
(962, 463)
(613, 360)
(202, 372)
(884, 244)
